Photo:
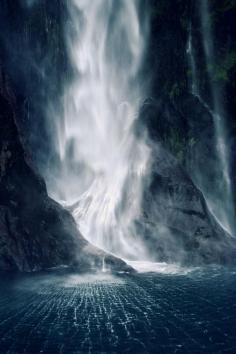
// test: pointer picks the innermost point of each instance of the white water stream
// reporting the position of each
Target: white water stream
(220, 203)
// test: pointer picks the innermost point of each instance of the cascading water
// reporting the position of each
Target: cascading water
(220, 203)
(102, 159)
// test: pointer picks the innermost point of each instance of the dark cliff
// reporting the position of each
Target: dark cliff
(35, 232)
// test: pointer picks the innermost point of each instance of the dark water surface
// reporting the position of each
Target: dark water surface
(143, 313)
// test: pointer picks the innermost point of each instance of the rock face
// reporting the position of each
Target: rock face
(185, 127)
(184, 124)
(35, 231)
(177, 220)
(176, 223)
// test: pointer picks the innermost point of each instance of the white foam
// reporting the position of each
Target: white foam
(96, 278)
(158, 267)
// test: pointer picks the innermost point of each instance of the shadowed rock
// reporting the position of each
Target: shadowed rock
(35, 231)
(176, 222)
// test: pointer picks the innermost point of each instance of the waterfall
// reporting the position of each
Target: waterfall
(220, 201)
(103, 161)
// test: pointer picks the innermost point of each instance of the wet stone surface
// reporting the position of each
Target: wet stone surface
(101, 313)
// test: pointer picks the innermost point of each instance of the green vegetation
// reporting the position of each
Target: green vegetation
(228, 5)
(221, 71)
(175, 90)
(178, 145)
(159, 9)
